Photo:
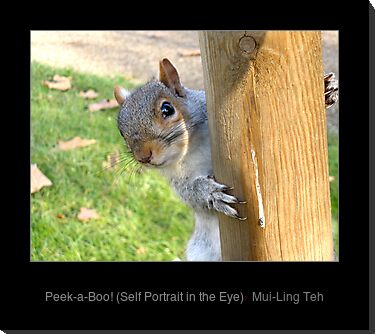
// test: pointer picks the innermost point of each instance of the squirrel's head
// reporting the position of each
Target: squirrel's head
(152, 119)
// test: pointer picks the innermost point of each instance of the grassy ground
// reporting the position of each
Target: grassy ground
(140, 217)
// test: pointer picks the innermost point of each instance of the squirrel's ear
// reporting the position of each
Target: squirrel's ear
(168, 76)
(120, 94)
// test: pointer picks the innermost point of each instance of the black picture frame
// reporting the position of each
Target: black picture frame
(344, 284)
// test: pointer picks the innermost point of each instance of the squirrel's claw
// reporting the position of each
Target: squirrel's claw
(225, 197)
(330, 90)
(220, 201)
(222, 206)
(329, 76)
(225, 208)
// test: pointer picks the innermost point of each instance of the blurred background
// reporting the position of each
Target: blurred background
(97, 206)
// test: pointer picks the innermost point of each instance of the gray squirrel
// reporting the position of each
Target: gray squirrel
(165, 126)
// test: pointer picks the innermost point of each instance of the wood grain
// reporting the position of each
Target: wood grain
(270, 101)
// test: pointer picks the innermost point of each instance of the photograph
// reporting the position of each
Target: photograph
(178, 145)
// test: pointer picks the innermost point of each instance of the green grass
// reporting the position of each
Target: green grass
(333, 155)
(141, 219)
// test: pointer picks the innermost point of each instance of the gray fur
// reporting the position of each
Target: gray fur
(136, 113)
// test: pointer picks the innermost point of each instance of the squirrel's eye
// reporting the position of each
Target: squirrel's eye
(167, 109)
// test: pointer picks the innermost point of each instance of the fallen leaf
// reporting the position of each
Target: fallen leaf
(61, 218)
(104, 104)
(331, 178)
(112, 160)
(141, 250)
(190, 53)
(86, 214)
(75, 143)
(59, 83)
(90, 94)
(57, 77)
(38, 179)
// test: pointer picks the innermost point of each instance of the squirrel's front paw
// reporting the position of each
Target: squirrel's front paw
(220, 201)
(331, 88)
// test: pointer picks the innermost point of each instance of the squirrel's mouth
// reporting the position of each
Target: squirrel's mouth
(155, 165)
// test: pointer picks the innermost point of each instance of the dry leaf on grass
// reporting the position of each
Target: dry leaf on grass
(38, 179)
(90, 94)
(112, 160)
(87, 214)
(59, 83)
(104, 104)
(75, 143)
(141, 250)
(61, 218)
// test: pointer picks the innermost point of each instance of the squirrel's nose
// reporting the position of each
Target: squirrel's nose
(145, 159)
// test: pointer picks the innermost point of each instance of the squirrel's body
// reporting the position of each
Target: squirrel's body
(205, 241)
(165, 125)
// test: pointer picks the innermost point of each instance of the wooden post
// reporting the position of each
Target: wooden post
(268, 135)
